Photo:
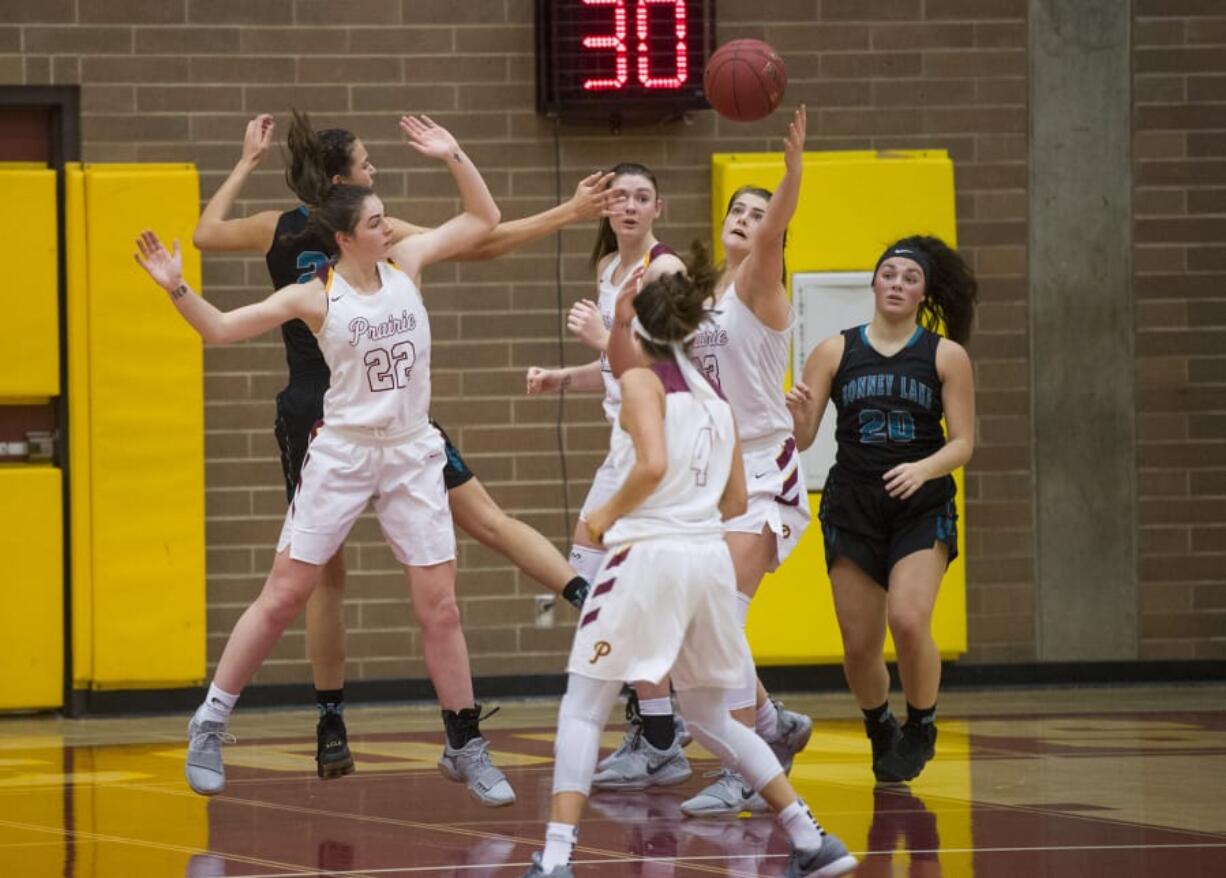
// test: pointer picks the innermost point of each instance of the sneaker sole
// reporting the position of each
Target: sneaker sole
(333, 770)
(633, 785)
(841, 866)
(719, 813)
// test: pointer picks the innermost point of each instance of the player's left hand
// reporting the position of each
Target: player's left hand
(166, 268)
(794, 143)
(623, 306)
(593, 198)
(905, 479)
(586, 324)
(429, 138)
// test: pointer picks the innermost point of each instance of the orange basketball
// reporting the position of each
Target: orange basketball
(745, 80)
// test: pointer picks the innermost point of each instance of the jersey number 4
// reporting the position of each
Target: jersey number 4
(876, 425)
(388, 370)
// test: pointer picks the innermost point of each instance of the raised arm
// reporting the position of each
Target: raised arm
(623, 353)
(808, 398)
(479, 216)
(958, 401)
(592, 199)
(250, 233)
(302, 301)
(642, 416)
(758, 280)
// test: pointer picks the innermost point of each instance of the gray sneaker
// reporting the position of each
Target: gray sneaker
(556, 872)
(205, 772)
(826, 861)
(727, 797)
(642, 766)
(794, 731)
(631, 739)
(471, 765)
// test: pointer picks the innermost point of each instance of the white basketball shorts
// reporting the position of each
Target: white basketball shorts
(778, 498)
(404, 477)
(659, 606)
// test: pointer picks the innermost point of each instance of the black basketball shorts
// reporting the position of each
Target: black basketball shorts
(300, 409)
(862, 523)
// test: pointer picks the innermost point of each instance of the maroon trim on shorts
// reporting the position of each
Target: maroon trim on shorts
(590, 617)
(618, 558)
(785, 456)
(604, 588)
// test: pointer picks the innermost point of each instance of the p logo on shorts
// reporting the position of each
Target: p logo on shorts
(603, 648)
(787, 531)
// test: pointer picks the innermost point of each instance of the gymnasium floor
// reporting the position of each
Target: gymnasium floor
(1058, 782)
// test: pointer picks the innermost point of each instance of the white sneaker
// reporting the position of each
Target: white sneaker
(471, 765)
(641, 765)
(727, 797)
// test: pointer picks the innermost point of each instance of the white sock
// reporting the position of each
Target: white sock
(797, 820)
(217, 706)
(560, 840)
(767, 723)
(656, 706)
(586, 562)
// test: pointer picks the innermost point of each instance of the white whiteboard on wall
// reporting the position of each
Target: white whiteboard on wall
(826, 302)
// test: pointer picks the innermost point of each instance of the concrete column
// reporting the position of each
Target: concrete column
(1081, 329)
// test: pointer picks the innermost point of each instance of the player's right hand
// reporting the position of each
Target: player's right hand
(166, 268)
(541, 380)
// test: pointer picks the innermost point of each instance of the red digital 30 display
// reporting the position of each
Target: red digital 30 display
(622, 59)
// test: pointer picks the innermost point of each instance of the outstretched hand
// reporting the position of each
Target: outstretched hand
(593, 198)
(623, 305)
(429, 138)
(586, 324)
(166, 268)
(258, 138)
(794, 143)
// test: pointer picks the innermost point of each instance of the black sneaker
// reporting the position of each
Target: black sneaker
(884, 735)
(909, 756)
(332, 756)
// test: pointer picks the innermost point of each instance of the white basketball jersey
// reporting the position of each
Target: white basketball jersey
(686, 502)
(606, 299)
(378, 348)
(747, 361)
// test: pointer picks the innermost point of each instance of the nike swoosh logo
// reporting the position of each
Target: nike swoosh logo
(336, 298)
(746, 792)
(655, 769)
(761, 475)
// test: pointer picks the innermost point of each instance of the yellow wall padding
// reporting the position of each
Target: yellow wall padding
(80, 517)
(32, 624)
(30, 333)
(852, 205)
(136, 371)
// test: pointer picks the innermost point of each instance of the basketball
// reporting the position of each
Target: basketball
(745, 80)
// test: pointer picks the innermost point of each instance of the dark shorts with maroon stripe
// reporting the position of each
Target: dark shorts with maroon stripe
(863, 524)
(300, 408)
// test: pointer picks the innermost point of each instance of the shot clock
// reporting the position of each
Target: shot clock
(622, 60)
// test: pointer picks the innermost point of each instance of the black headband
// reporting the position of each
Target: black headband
(915, 254)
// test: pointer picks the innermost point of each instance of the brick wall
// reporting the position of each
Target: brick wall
(1180, 262)
(177, 79)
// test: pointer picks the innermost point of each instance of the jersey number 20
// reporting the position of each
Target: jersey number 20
(875, 425)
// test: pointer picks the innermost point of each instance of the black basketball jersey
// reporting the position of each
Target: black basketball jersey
(296, 264)
(889, 407)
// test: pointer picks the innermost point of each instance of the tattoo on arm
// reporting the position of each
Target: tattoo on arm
(458, 156)
(178, 292)
(564, 384)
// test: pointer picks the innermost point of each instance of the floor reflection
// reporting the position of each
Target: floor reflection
(902, 827)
